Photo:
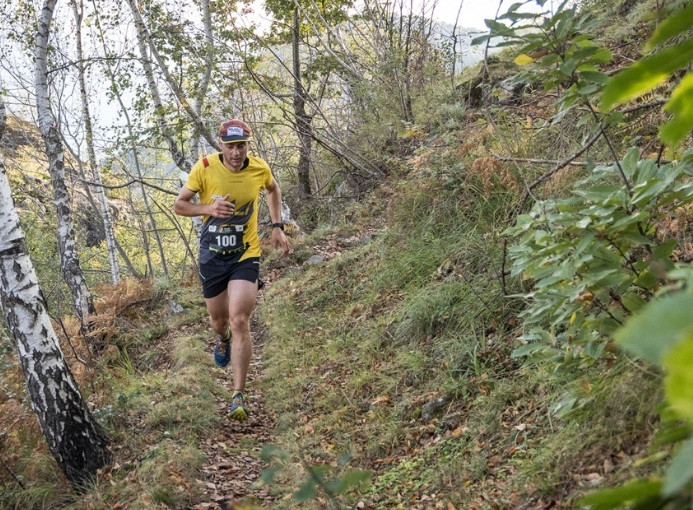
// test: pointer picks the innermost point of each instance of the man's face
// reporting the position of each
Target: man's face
(234, 154)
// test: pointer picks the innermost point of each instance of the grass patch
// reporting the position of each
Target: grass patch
(397, 353)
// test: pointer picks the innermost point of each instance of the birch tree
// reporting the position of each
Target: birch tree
(77, 10)
(192, 103)
(118, 93)
(75, 439)
(69, 258)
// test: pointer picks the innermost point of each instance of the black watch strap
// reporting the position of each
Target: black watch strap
(277, 225)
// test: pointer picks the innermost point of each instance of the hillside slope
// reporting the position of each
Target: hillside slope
(384, 374)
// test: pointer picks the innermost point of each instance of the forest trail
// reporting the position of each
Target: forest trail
(234, 466)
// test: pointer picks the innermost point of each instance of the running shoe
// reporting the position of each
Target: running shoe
(237, 411)
(222, 352)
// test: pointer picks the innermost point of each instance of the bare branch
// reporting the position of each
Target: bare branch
(568, 160)
(126, 184)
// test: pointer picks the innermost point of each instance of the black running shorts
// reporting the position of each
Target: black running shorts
(215, 277)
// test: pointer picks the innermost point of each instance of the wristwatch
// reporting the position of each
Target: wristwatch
(278, 225)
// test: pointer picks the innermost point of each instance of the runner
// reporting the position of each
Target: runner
(229, 184)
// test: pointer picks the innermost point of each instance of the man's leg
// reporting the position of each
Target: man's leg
(218, 309)
(242, 296)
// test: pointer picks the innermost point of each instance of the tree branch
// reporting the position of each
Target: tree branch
(126, 184)
(566, 161)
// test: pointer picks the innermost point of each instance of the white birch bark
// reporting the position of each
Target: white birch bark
(203, 86)
(69, 258)
(143, 42)
(96, 174)
(75, 439)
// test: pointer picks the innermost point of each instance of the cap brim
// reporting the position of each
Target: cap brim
(234, 139)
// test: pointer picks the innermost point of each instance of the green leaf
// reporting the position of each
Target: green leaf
(644, 193)
(516, 16)
(677, 23)
(646, 74)
(306, 492)
(268, 475)
(679, 380)
(681, 108)
(632, 301)
(680, 471)
(480, 39)
(594, 77)
(346, 482)
(628, 493)
(671, 432)
(630, 219)
(595, 349)
(630, 161)
(587, 90)
(498, 28)
(646, 280)
(600, 193)
(603, 56)
(565, 406)
(637, 239)
(659, 327)
(527, 350)
(663, 250)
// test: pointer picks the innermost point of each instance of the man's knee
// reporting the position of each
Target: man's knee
(219, 322)
(240, 322)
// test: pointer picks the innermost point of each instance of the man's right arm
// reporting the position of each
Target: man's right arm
(184, 206)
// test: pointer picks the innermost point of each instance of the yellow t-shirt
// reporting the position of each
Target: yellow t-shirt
(234, 238)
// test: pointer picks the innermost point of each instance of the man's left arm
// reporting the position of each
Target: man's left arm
(274, 203)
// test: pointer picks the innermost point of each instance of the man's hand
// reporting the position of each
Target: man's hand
(222, 208)
(279, 240)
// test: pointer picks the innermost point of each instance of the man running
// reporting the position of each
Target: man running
(229, 184)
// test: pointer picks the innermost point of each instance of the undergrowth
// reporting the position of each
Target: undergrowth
(154, 395)
(397, 354)
(393, 357)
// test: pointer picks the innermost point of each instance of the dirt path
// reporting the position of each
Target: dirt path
(234, 467)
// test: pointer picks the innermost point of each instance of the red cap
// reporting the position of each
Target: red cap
(234, 131)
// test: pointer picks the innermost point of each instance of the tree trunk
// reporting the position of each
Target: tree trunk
(178, 157)
(86, 116)
(203, 85)
(303, 120)
(75, 439)
(143, 43)
(69, 259)
(176, 153)
(128, 263)
(407, 111)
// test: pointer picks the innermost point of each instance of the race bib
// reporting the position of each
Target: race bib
(225, 239)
